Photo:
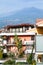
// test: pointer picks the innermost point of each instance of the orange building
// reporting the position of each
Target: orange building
(27, 38)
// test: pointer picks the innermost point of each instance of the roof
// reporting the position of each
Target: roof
(32, 30)
(39, 22)
(19, 25)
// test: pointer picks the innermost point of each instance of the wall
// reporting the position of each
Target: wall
(25, 38)
(39, 43)
(39, 30)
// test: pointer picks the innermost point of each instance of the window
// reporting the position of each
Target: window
(32, 38)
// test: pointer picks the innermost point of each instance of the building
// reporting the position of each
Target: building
(8, 33)
(18, 28)
(28, 34)
(38, 30)
(39, 41)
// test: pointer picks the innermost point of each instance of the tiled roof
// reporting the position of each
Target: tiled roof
(19, 25)
(39, 21)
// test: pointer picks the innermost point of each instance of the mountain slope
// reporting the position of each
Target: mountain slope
(27, 15)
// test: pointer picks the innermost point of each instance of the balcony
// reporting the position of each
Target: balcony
(39, 63)
(10, 44)
(22, 33)
(28, 42)
(29, 51)
(7, 43)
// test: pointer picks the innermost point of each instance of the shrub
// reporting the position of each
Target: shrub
(1, 54)
(21, 55)
(33, 62)
(21, 63)
(9, 62)
(11, 55)
(29, 59)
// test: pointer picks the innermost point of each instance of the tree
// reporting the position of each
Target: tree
(18, 43)
(1, 52)
(30, 58)
(16, 40)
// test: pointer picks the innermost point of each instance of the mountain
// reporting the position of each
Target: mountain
(27, 15)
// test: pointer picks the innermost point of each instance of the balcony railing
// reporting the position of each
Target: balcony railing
(29, 51)
(28, 42)
(10, 44)
(39, 63)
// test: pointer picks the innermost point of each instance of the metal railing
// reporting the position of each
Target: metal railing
(39, 63)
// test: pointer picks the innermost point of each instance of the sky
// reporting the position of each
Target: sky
(7, 6)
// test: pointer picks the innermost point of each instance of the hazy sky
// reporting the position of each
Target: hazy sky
(15, 5)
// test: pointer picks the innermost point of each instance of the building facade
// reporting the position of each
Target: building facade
(39, 41)
(8, 33)
(38, 30)
(28, 34)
